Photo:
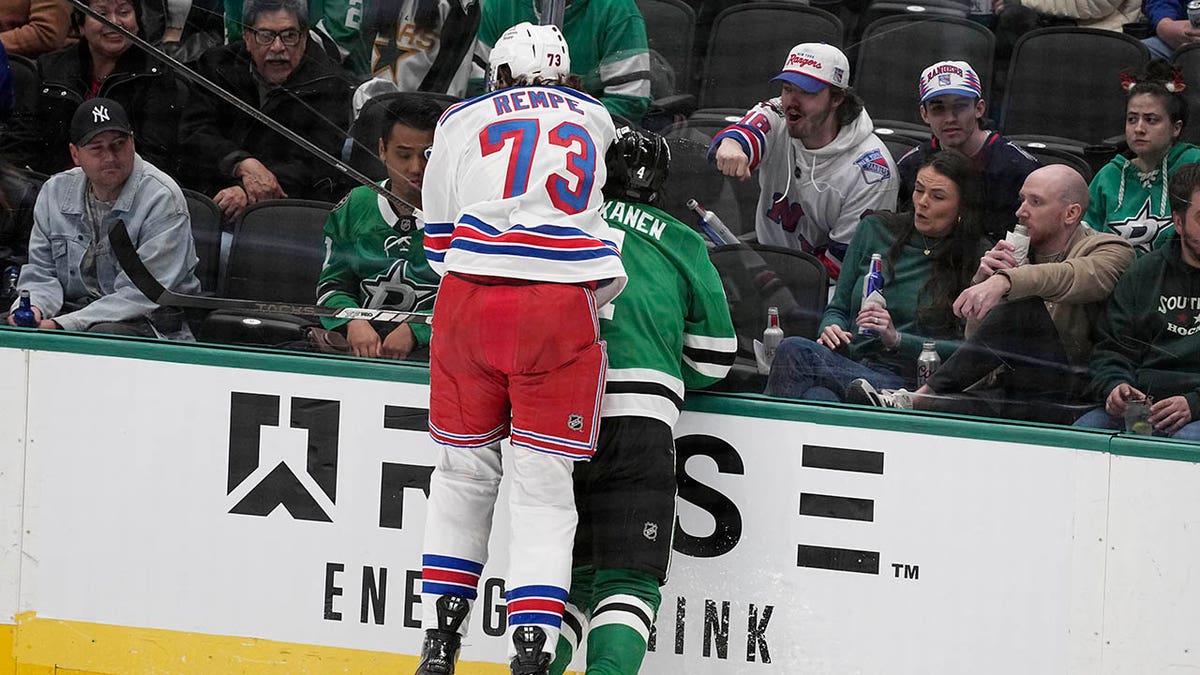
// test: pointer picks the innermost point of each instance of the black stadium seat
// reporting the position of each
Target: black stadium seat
(1065, 83)
(748, 45)
(206, 233)
(1187, 59)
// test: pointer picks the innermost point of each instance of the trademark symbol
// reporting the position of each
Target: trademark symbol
(906, 571)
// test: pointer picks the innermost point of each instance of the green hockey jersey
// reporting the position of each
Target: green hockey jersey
(1133, 204)
(670, 328)
(376, 260)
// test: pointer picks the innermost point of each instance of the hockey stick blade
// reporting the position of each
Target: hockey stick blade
(135, 269)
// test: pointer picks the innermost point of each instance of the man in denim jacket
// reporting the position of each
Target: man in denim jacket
(73, 279)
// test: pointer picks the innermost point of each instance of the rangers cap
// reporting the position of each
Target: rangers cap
(813, 66)
(950, 77)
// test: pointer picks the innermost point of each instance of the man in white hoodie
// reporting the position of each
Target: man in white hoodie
(821, 167)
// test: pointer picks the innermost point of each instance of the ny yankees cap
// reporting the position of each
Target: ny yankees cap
(95, 116)
(950, 77)
(813, 66)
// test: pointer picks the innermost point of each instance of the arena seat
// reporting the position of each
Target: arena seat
(206, 233)
(748, 45)
(1064, 82)
(1187, 59)
(277, 252)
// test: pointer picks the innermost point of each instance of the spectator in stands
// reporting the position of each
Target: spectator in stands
(336, 21)
(928, 257)
(31, 28)
(1129, 194)
(375, 255)
(607, 39)
(18, 192)
(280, 74)
(423, 45)
(1172, 30)
(1149, 340)
(952, 105)
(72, 276)
(1029, 327)
(104, 64)
(820, 166)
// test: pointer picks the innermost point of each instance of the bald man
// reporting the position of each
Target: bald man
(1028, 326)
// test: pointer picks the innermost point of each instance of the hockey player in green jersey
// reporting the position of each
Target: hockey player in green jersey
(374, 253)
(667, 331)
(1129, 194)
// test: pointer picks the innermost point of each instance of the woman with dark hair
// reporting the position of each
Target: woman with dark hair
(1129, 195)
(929, 256)
(103, 64)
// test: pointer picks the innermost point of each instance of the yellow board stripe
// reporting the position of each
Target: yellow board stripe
(40, 646)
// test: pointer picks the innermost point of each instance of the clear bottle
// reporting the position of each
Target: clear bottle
(712, 225)
(772, 336)
(927, 363)
(873, 282)
(1019, 238)
(23, 315)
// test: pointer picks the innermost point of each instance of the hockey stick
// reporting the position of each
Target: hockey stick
(126, 253)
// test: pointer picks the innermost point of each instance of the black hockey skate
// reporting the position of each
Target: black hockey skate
(530, 659)
(440, 651)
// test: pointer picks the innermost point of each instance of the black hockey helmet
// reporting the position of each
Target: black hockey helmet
(638, 163)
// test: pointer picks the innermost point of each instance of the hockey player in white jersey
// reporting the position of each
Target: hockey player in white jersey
(512, 206)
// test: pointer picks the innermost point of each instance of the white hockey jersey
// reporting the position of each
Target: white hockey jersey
(512, 188)
(813, 199)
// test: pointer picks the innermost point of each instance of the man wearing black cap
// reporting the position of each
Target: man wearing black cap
(73, 279)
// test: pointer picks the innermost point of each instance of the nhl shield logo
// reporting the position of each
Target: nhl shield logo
(650, 531)
(575, 422)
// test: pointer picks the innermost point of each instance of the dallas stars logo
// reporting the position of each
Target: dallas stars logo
(1142, 228)
(395, 290)
(388, 55)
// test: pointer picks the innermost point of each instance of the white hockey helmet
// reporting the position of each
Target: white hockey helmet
(530, 52)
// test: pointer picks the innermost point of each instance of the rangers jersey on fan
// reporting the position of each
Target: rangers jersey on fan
(512, 188)
(670, 327)
(813, 199)
(376, 260)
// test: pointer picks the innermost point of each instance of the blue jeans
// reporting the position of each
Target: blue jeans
(1100, 419)
(808, 370)
(1158, 48)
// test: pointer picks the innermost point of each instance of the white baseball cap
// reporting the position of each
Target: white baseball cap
(813, 66)
(950, 77)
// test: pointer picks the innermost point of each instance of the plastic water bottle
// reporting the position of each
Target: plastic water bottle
(772, 336)
(1019, 238)
(873, 282)
(712, 226)
(23, 315)
(927, 363)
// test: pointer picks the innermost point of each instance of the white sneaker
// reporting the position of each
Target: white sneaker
(862, 392)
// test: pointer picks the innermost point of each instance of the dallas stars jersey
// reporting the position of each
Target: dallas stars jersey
(670, 328)
(437, 60)
(1134, 205)
(374, 259)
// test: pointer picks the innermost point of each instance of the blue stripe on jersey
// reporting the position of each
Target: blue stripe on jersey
(574, 93)
(535, 591)
(447, 562)
(544, 230)
(434, 229)
(524, 251)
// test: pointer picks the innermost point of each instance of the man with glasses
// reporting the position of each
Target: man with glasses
(237, 158)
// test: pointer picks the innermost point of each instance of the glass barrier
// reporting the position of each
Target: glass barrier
(950, 206)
